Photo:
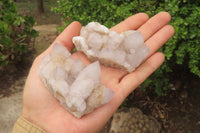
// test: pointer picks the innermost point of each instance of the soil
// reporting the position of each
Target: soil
(30, 8)
(11, 74)
(15, 71)
(178, 111)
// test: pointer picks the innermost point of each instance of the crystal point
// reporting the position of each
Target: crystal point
(122, 51)
(77, 87)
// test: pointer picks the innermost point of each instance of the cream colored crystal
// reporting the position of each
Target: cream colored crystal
(78, 88)
(123, 51)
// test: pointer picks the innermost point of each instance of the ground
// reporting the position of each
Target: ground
(178, 111)
(30, 8)
(12, 79)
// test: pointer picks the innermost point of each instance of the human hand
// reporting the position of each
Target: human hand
(42, 109)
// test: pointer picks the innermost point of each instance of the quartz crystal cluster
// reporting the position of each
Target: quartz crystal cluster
(123, 51)
(78, 88)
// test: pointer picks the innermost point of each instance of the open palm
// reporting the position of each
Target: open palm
(42, 109)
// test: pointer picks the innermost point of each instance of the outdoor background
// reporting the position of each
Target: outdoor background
(171, 94)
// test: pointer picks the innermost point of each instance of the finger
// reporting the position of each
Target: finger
(154, 24)
(65, 38)
(159, 38)
(131, 23)
(154, 43)
(132, 80)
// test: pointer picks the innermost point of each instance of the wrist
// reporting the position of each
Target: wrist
(34, 120)
(25, 126)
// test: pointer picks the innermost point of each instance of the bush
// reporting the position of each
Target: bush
(15, 33)
(182, 51)
(107, 12)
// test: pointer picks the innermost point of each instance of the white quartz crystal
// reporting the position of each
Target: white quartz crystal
(123, 51)
(78, 88)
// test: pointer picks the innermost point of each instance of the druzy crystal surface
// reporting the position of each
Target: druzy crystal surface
(123, 51)
(77, 87)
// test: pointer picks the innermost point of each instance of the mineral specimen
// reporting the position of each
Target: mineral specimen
(123, 51)
(78, 88)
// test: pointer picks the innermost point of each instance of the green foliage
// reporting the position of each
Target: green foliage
(182, 50)
(107, 12)
(15, 33)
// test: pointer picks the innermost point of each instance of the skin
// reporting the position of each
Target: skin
(42, 109)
